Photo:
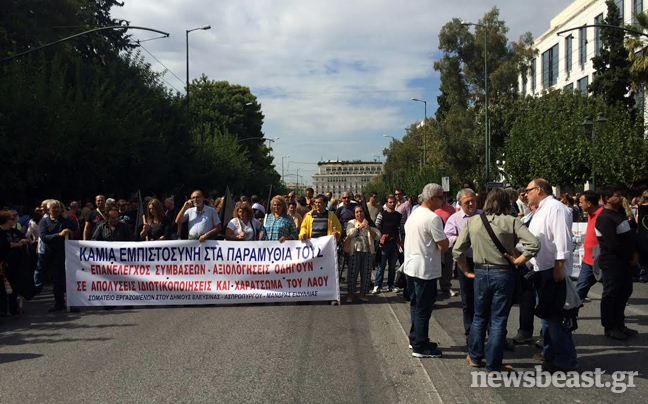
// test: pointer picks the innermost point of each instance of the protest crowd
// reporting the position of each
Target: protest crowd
(505, 247)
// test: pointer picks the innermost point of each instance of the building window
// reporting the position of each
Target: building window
(570, 87)
(637, 8)
(550, 67)
(524, 81)
(568, 54)
(533, 75)
(598, 44)
(619, 3)
(582, 85)
(582, 49)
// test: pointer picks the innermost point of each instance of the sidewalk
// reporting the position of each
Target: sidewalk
(451, 375)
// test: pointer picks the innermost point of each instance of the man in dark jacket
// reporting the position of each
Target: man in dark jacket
(113, 229)
(54, 229)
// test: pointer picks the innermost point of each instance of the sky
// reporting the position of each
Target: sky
(332, 77)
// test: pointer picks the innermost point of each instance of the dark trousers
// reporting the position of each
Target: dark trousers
(617, 289)
(467, 291)
(39, 273)
(389, 257)
(527, 306)
(447, 264)
(55, 263)
(559, 346)
(422, 296)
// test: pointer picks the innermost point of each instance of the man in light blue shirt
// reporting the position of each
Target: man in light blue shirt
(203, 220)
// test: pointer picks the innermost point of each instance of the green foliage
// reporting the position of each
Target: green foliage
(638, 52)
(548, 140)
(456, 139)
(613, 77)
(90, 116)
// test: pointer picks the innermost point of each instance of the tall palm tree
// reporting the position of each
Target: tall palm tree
(638, 51)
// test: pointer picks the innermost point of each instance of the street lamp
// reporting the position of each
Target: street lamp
(204, 27)
(282, 166)
(377, 156)
(590, 129)
(424, 131)
(486, 124)
(272, 140)
(391, 137)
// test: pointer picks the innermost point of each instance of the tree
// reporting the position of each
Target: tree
(232, 110)
(90, 116)
(547, 140)
(638, 53)
(461, 113)
(613, 80)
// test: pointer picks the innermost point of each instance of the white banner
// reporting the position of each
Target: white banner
(579, 230)
(103, 273)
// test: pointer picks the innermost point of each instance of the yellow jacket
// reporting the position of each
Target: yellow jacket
(334, 225)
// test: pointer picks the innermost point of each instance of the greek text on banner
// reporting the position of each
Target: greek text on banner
(189, 272)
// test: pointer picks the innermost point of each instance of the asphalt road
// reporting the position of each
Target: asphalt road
(287, 353)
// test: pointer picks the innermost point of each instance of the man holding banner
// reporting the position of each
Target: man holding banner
(203, 220)
(54, 230)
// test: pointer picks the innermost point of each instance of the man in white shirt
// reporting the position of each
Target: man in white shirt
(203, 220)
(523, 208)
(424, 244)
(551, 224)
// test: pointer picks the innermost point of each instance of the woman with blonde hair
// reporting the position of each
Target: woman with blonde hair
(280, 227)
(243, 226)
(157, 225)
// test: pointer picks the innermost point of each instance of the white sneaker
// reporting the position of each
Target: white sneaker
(375, 290)
(454, 293)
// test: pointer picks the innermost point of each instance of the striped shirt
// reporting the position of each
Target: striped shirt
(320, 224)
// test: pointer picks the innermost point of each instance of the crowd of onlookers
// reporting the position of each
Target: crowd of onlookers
(429, 238)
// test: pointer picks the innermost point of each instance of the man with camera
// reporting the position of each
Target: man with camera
(203, 220)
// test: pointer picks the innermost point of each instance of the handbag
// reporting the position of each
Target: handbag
(346, 247)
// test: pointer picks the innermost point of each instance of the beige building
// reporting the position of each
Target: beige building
(565, 61)
(341, 176)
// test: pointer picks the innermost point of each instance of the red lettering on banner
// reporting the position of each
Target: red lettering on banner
(81, 286)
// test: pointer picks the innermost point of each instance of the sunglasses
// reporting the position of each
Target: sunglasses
(526, 191)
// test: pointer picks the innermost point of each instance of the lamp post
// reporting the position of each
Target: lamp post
(282, 166)
(204, 27)
(424, 131)
(377, 156)
(393, 138)
(271, 140)
(47, 45)
(486, 123)
(590, 129)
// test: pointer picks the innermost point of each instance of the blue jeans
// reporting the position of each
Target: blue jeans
(467, 291)
(389, 256)
(422, 296)
(493, 295)
(559, 346)
(586, 280)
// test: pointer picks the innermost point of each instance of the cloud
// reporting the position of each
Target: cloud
(332, 76)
